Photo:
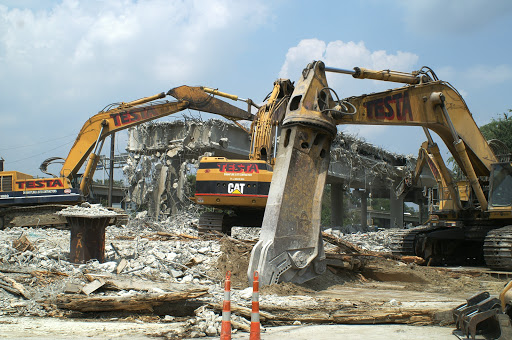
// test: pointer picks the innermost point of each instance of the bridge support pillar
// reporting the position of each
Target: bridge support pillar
(337, 212)
(397, 209)
(421, 214)
(364, 209)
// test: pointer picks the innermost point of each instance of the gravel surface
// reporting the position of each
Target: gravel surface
(168, 251)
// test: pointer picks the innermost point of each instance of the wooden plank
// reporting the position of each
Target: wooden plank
(16, 286)
(133, 303)
(113, 283)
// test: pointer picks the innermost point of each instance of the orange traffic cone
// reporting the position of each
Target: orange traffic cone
(225, 329)
(255, 313)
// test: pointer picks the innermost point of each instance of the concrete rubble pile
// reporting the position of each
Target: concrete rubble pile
(161, 155)
(379, 241)
(86, 209)
(45, 270)
(366, 161)
(155, 253)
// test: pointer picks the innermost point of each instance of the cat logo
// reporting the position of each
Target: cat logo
(236, 188)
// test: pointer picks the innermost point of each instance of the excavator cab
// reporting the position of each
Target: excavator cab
(500, 197)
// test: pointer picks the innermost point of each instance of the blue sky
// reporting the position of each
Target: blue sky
(63, 61)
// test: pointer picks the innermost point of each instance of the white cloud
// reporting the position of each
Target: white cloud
(78, 44)
(299, 56)
(346, 55)
(62, 61)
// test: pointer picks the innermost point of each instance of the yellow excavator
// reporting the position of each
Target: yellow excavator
(241, 186)
(442, 196)
(290, 247)
(22, 195)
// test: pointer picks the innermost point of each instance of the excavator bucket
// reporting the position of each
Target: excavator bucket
(482, 315)
(290, 247)
(202, 101)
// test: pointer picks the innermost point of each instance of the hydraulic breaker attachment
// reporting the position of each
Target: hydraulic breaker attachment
(482, 314)
(290, 247)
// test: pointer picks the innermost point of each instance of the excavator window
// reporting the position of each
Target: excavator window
(501, 185)
(263, 152)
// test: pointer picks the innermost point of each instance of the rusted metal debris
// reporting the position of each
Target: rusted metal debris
(23, 244)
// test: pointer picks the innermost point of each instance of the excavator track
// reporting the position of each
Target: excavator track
(498, 248)
(32, 216)
(212, 221)
(223, 222)
(403, 242)
(45, 216)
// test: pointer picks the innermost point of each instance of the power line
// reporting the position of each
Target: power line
(41, 153)
(28, 145)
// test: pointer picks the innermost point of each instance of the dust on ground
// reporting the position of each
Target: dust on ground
(234, 258)
(400, 276)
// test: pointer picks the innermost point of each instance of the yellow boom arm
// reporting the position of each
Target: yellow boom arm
(99, 126)
(290, 247)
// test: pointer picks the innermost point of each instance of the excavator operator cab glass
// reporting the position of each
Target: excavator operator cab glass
(501, 185)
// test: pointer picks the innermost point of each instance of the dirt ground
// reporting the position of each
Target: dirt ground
(379, 291)
(54, 328)
(456, 282)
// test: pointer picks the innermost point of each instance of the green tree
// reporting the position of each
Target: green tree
(500, 129)
(380, 204)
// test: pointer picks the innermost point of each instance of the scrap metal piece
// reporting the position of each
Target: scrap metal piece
(482, 314)
(465, 307)
(44, 166)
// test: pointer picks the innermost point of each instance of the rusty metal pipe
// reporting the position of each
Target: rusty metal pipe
(87, 239)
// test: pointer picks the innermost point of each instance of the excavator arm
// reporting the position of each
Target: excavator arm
(90, 139)
(264, 128)
(425, 105)
(449, 195)
(290, 246)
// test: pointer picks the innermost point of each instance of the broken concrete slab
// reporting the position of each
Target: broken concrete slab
(92, 286)
(72, 288)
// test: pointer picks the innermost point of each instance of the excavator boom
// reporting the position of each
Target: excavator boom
(126, 115)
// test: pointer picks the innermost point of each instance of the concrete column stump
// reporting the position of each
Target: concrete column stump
(87, 240)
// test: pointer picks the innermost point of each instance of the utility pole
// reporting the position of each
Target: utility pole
(111, 172)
